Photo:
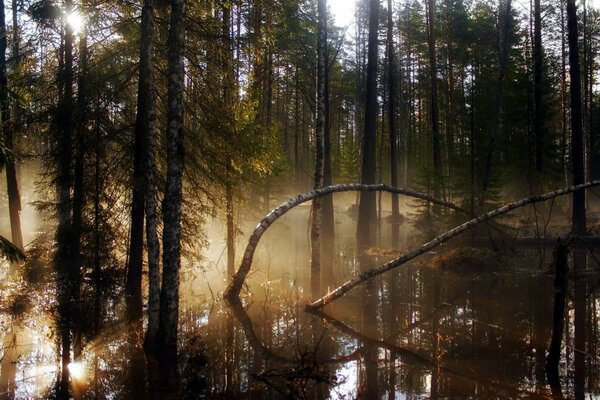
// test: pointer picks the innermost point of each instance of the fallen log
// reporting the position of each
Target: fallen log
(369, 274)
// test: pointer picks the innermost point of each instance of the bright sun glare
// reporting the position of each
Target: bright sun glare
(75, 20)
(77, 370)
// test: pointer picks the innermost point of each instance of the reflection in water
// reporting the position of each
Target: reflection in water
(419, 332)
(579, 304)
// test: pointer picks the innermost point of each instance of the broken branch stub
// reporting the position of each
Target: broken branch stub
(240, 276)
(341, 290)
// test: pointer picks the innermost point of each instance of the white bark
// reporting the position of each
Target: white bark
(238, 279)
(365, 276)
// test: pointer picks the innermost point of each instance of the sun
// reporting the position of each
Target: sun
(75, 21)
(77, 370)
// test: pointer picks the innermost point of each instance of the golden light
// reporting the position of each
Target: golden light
(77, 370)
(75, 21)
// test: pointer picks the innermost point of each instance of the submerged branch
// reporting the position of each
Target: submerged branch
(365, 276)
(238, 279)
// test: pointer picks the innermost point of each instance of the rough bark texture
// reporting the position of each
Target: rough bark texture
(238, 280)
(367, 215)
(147, 118)
(171, 207)
(366, 275)
(577, 156)
(315, 231)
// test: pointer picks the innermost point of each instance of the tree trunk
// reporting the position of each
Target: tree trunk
(328, 218)
(435, 129)
(538, 116)
(78, 183)
(577, 156)
(315, 232)
(133, 286)
(8, 127)
(367, 215)
(228, 89)
(147, 120)
(65, 266)
(392, 74)
(504, 26)
(169, 295)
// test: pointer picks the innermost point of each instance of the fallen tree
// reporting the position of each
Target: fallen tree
(240, 276)
(365, 276)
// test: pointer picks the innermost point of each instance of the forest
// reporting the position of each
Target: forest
(233, 199)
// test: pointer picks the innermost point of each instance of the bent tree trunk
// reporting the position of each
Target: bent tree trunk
(367, 275)
(238, 280)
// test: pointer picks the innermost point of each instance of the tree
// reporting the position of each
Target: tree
(366, 210)
(68, 274)
(538, 120)
(146, 119)
(392, 74)
(171, 206)
(435, 129)
(133, 286)
(577, 156)
(315, 233)
(504, 31)
(9, 123)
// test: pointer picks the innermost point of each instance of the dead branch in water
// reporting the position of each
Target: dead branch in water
(238, 279)
(365, 276)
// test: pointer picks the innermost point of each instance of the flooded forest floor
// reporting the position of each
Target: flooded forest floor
(472, 319)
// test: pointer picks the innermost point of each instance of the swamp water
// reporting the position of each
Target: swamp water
(449, 325)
